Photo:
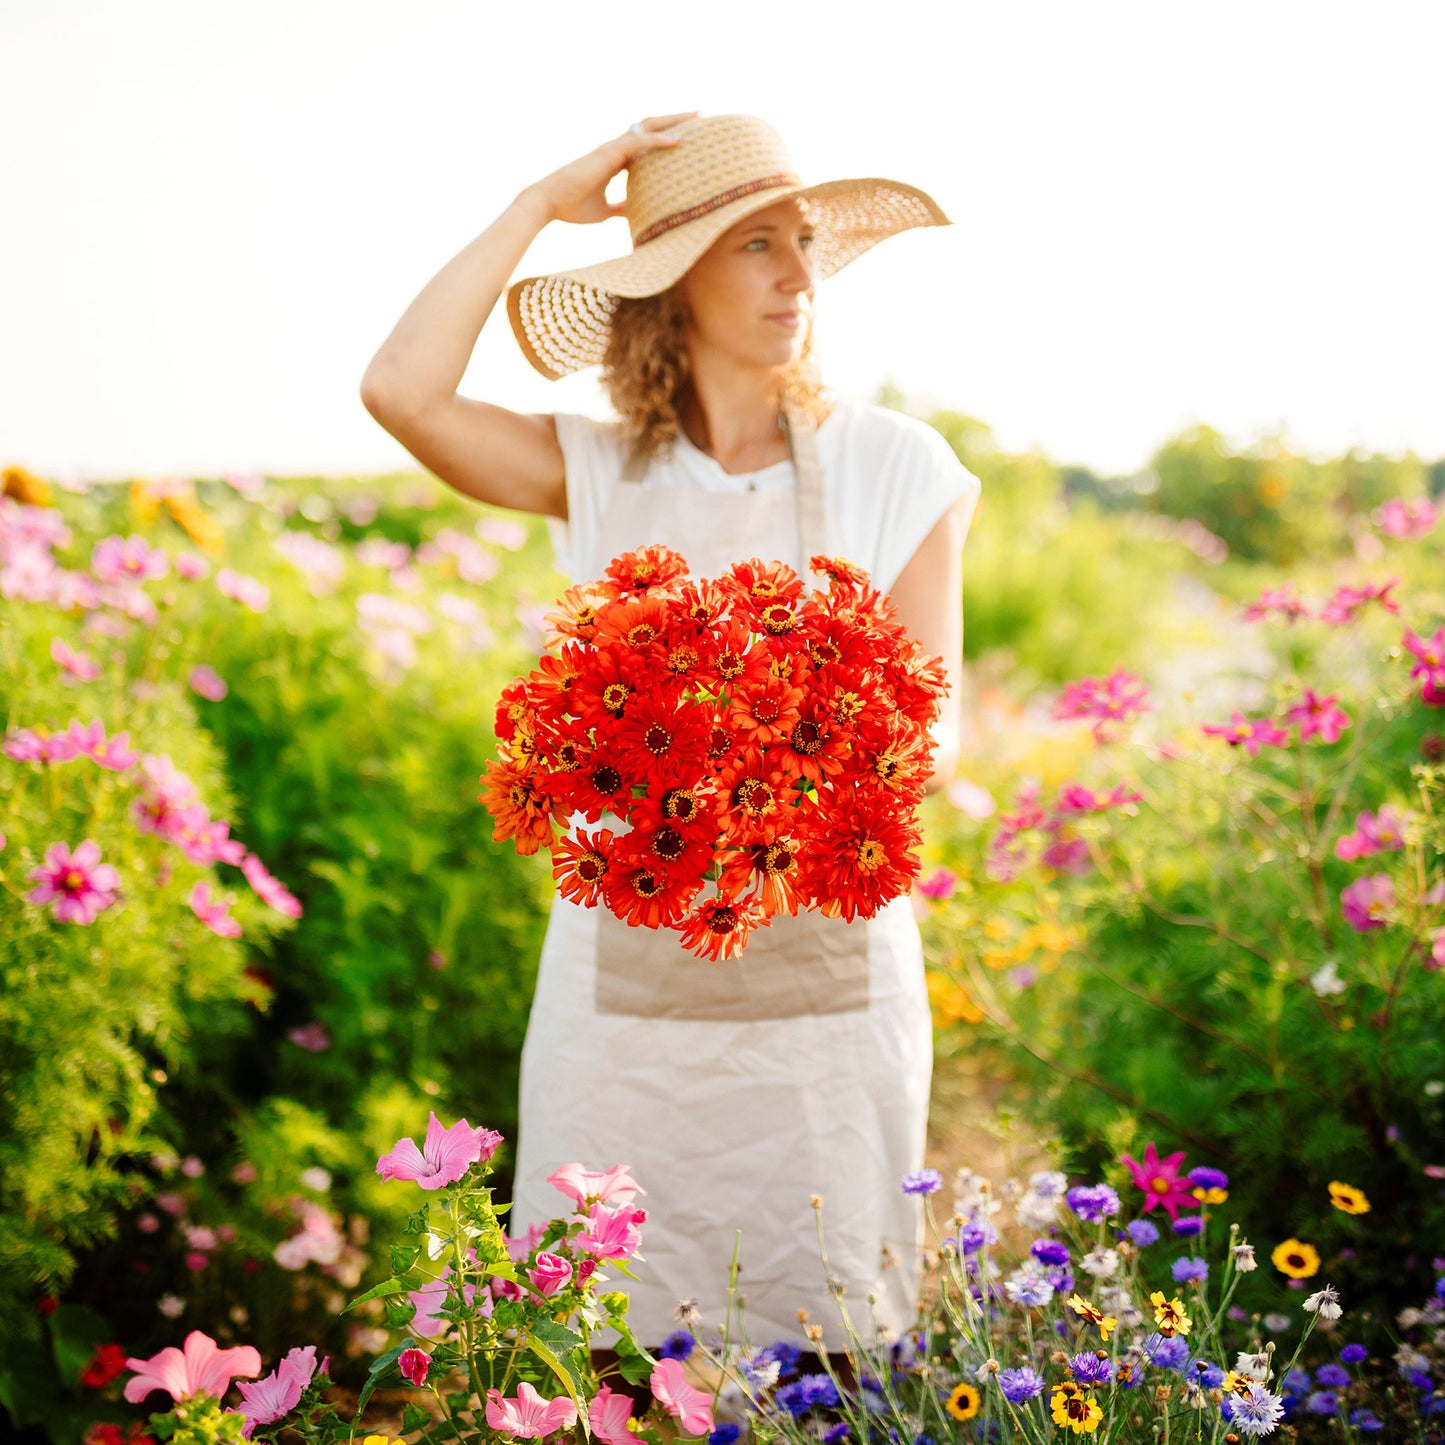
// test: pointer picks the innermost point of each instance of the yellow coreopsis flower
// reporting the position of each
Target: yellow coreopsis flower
(1211, 1196)
(1093, 1314)
(1296, 1259)
(964, 1402)
(26, 487)
(1075, 1410)
(1169, 1314)
(1347, 1198)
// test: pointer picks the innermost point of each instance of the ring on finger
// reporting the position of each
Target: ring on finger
(636, 128)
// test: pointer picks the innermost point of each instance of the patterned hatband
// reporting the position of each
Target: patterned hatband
(681, 218)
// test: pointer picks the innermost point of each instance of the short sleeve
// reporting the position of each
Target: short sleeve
(920, 478)
(592, 462)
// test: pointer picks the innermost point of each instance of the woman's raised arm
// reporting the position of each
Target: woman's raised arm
(486, 451)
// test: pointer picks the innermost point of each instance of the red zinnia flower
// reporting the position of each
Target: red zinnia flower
(649, 567)
(701, 606)
(839, 571)
(774, 869)
(756, 799)
(596, 786)
(639, 890)
(719, 928)
(864, 857)
(816, 747)
(523, 808)
(765, 710)
(897, 757)
(579, 864)
(607, 683)
(636, 625)
(550, 684)
(757, 584)
(661, 741)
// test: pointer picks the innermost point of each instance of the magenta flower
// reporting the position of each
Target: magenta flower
(1408, 518)
(248, 591)
(128, 559)
(608, 1414)
(1283, 600)
(1367, 902)
(78, 664)
(274, 1396)
(549, 1274)
(268, 889)
(445, 1157)
(200, 1368)
(1322, 715)
(1068, 855)
(207, 682)
(939, 885)
(312, 1037)
(1435, 959)
(90, 741)
(1429, 654)
(529, 1416)
(78, 884)
(596, 1186)
(1161, 1181)
(192, 566)
(26, 745)
(414, 1365)
(1344, 602)
(1113, 699)
(1254, 733)
(1382, 832)
(683, 1401)
(216, 916)
(610, 1233)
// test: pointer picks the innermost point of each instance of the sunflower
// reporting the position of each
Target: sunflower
(1348, 1199)
(1075, 1409)
(964, 1402)
(1296, 1259)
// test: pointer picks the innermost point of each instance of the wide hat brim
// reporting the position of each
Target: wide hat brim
(562, 320)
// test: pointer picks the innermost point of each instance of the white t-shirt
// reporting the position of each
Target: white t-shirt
(889, 478)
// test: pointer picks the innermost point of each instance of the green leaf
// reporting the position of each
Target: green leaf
(399, 1312)
(541, 1342)
(403, 1256)
(383, 1367)
(413, 1417)
(394, 1285)
(556, 1335)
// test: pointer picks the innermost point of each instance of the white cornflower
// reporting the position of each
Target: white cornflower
(1256, 1366)
(171, 1306)
(1049, 1184)
(1326, 981)
(1244, 1259)
(1408, 1359)
(1326, 1301)
(1037, 1213)
(1255, 1411)
(1274, 1322)
(1101, 1262)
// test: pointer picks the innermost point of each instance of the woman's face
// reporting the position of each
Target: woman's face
(745, 296)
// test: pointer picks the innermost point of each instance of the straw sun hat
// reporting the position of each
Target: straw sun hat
(680, 199)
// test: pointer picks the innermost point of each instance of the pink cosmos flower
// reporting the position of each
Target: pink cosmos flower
(608, 1414)
(318, 1240)
(204, 839)
(1254, 733)
(78, 664)
(91, 742)
(1322, 715)
(78, 884)
(1345, 601)
(199, 1368)
(1429, 654)
(192, 566)
(1075, 798)
(529, 1416)
(312, 1037)
(216, 916)
(208, 683)
(248, 591)
(684, 1401)
(592, 1186)
(1382, 832)
(26, 745)
(939, 885)
(1161, 1181)
(1068, 855)
(1367, 902)
(502, 532)
(128, 559)
(414, 1365)
(610, 1233)
(1115, 699)
(274, 1396)
(1402, 517)
(1283, 600)
(268, 889)
(549, 1274)
(446, 1156)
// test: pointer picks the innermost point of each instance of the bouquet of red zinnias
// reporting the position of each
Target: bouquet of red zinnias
(770, 741)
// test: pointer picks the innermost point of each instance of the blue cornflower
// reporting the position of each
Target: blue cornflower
(1049, 1251)
(1142, 1232)
(1420, 1380)
(790, 1397)
(1297, 1382)
(725, 1434)
(835, 1433)
(973, 1236)
(1019, 1385)
(1089, 1369)
(1092, 1202)
(1211, 1377)
(1190, 1267)
(677, 1346)
(923, 1181)
(1354, 1354)
(1322, 1402)
(1440, 1286)
(924, 1440)
(787, 1356)
(1332, 1377)
(1366, 1421)
(1060, 1278)
(1204, 1177)
(1032, 1291)
(1188, 1225)
(1168, 1354)
(818, 1390)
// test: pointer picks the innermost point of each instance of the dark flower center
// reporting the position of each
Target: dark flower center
(606, 779)
(615, 695)
(657, 739)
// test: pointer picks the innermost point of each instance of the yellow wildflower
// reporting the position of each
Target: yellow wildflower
(1169, 1314)
(1074, 1409)
(1093, 1314)
(1347, 1198)
(26, 487)
(964, 1402)
(1296, 1259)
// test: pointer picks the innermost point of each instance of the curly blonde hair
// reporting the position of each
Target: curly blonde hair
(646, 374)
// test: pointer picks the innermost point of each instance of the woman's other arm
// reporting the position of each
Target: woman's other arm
(488, 452)
(929, 597)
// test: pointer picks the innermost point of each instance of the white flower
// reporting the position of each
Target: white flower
(1101, 1262)
(171, 1305)
(1434, 1088)
(1326, 1301)
(1049, 1184)
(1408, 1318)
(1244, 1259)
(316, 1178)
(1035, 1212)
(1326, 981)
(1410, 1359)
(1256, 1366)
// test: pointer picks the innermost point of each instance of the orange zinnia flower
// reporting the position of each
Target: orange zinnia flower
(757, 584)
(641, 892)
(597, 786)
(661, 740)
(523, 809)
(773, 868)
(575, 615)
(816, 747)
(607, 683)
(719, 928)
(579, 864)
(765, 710)
(637, 625)
(649, 567)
(756, 799)
(865, 857)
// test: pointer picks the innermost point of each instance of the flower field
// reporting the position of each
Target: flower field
(1185, 900)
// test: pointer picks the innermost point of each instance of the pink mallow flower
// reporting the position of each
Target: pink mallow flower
(549, 1274)
(685, 1402)
(1382, 832)
(207, 683)
(78, 884)
(128, 559)
(594, 1186)
(1254, 733)
(1429, 655)
(1405, 517)
(608, 1414)
(248, 591)
(78, 664)
(610, 1233)
(445, 1157)
(431, 1299)
(216, 916)
(269, 890)
(201, 1367)
(1367, 902)
(528, 1416)
(276, 1395)
(1161, 1181)
(414, 1365)
(1316, 714)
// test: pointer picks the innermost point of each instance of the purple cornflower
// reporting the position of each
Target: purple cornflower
(1188, 1225)
(1093, 1203)
(726, 1434)
(1190, 1267)
(785, 1353)
(973, 1236)
(1049, 1251)
(677, 1346)
(833, 1435)
(1089, 1369)
(1297, 1382)
(1354, 1354)
(1142, 1232)
(1168, 1354)
(1206, 1178)
(1322, 1402)
(923, 1181)
(1332, 1377)
(1366, 1421)
(1420, 1380)
(1019, 1385)
(1061, 1279)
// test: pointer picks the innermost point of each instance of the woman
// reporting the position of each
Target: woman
(734, 1091)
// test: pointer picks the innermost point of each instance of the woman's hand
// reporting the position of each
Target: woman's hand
(578, 192)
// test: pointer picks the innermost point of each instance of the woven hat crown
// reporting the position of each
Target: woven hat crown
(717, 159)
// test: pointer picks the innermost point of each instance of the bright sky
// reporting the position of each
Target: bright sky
(1164, 212)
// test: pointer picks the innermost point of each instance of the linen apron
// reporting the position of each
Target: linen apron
(736, 1089)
